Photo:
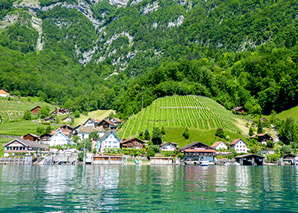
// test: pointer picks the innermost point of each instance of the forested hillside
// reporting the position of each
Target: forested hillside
(94, 54)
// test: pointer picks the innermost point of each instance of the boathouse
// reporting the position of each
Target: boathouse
(161, 160)
(198, 151)
(105, 159)
(132, 143)
(250, 159)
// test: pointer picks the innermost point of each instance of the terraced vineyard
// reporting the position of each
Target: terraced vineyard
(14, 108)
(180, 111)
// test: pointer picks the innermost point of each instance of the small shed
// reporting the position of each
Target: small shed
(105, 159)
(250, 159)
(240, 110)
(35, 110)
(48, 119)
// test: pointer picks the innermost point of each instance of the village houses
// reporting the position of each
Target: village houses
(239, 145)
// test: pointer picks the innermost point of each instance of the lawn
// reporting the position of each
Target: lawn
(20, 128)
(174, 134)
(98, 114)
(293, 112)
(2, 142)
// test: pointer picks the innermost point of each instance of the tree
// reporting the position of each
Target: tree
(156, 136)
(220, 133)
(93, 135)
(260, 127)
(285, 150)
(77, 114)
(40, 130)
(48, 129)
(27, 115)
(141, 134)
(44, 111)
(251, 131)
(111, 115)
(147, 134)
(163, 132)
(186, 133)
(270, 144)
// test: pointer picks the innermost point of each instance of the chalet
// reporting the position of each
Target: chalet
(239, 110)
(108, 140)
(132, 143)
(60, 111)
(91, 122)
(49, 119)
(59, 139)
(116, 121)
(84, 132)
(45, 137)
(239, 145)
(107, 124)
(219, 145)
(19, 146)
(262, 138)
(168, 146)
(35, 110)
(68, 119)
(65, 129)
(198, 151)
(31, 137)
(3, 93)
(76, 129)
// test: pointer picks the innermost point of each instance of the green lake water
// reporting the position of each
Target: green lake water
(131, 188)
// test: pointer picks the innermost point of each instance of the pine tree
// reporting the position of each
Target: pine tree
(251, 131)
(260, 127)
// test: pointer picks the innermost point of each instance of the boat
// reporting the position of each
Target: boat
(136, 162)
(204, 163)
(236, 164)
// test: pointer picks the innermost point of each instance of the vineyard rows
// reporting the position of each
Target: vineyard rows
(179, 111)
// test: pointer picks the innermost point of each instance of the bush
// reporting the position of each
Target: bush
(270, 158)
(81, 156)
(27, 115)
(220, 133)
(186, 134)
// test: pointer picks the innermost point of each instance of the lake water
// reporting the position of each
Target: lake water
(131, 188)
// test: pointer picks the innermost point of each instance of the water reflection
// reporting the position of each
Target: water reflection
(147, 188)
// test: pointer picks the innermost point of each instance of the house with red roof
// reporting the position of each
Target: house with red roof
(3, 93)
(239, 145)
(219, 145)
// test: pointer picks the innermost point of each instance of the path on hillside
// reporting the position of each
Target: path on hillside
(275, 133)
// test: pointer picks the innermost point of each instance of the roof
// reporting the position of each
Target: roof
(67, 126)
(200, 150)
(88, 129)
(35, 108)
(3, 92)
(239, 108)
(165, 143)
(259, 135)
(216, 144)
(108, 121)
(28, 143)
(131, 139)
(194, 143)
(35, 136)
(236, 140)
(107, 133)
(67, 118)
(96, 120)
(249, 155)
(117, 119)
(48, 118)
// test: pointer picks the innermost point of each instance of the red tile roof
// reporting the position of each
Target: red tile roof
(235, 141)
(200, 150)
(216, 144)
(3, 92)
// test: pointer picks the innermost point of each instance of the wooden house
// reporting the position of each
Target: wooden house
(20, 146)
(31, 137)
(91, 122)
(239, 145)
(168, 146)
(198, 151)
(240, 110)
(132, 143)
(35, 110)
(107, 124)
(219, 145)
(3, 93)
(60, 111)
(262, 138)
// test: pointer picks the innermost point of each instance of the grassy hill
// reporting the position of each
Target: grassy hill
(14, 108)
(193, 112)
(98, 114)
(293, 112)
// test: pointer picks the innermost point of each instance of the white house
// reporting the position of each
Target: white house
(108, 140)
(168, 146)
(91, 123)
(239, 145)
(3, 93)
(84, 132)
(116, 121)
(219, 145)
(59, 139)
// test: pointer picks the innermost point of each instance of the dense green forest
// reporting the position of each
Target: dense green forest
(237, 52)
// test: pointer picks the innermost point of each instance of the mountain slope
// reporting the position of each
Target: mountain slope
(193, 112)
